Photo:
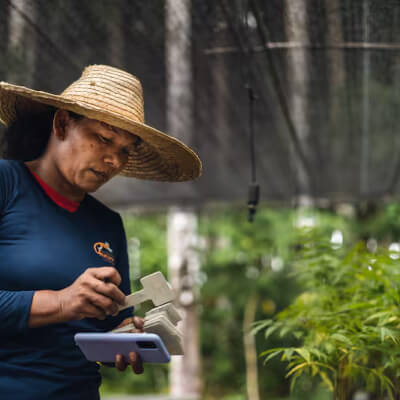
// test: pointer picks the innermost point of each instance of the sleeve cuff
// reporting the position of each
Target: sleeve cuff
(24, 304)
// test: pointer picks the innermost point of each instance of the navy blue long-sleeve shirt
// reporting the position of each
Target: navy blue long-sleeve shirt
(44, 246)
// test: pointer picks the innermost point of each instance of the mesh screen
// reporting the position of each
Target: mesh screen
(325, 74)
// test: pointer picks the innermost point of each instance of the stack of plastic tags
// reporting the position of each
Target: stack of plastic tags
(163, 321)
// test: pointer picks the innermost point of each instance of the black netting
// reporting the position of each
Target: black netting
(325, 73)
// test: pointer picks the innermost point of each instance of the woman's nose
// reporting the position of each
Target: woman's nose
(115, 159)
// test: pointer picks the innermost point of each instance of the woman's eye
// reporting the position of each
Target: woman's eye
(103, 139)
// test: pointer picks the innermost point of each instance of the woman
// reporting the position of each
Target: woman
(64, 265)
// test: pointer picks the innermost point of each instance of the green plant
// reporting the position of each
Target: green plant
(347, 322)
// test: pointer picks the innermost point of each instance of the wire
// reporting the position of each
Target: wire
(254, 188)
(252, 99)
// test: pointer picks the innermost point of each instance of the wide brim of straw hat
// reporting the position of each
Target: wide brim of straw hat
(157, 157)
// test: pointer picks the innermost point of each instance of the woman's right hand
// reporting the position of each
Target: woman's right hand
(94, 294)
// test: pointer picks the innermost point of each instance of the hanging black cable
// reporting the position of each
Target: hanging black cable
(254, 188)
(252, 99)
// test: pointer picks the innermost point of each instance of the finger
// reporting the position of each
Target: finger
(136, 363)
(126, 321)
(108, 289)
(102, 302)
(120, 362)
(91, 311)
(109, 273)
(138, 322)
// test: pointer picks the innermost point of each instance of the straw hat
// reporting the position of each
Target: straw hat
(115, 97)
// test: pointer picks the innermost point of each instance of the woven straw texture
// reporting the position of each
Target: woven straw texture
(115, 97)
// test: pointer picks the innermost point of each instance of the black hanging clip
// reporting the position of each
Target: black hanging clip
(254, 195)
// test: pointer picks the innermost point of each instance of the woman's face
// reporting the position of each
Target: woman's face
(89, 152)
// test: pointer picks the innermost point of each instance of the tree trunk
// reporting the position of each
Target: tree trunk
(183, 261)
(221, 106)
(335, 36)
(116, 34)
(296, 31)
(250, 350)
(364, 161)
(22, 42)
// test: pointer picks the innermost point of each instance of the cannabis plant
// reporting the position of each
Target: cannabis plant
(347, 322)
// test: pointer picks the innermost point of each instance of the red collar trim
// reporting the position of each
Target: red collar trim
(60, 200)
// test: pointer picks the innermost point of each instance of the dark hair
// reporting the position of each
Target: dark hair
(27, 137)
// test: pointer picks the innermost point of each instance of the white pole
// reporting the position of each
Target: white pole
(21, 42)
(296, 30)
(183, 261)
(364, 173)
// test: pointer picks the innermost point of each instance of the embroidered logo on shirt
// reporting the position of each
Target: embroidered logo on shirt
(104, 250)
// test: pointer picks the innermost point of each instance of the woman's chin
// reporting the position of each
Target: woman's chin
(92, 186)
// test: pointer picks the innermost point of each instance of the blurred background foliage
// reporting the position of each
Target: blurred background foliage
(242, 261)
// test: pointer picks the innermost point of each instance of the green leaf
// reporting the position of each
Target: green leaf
(297, 334)
(272, 353)
(385, 332)
(303, 352)
(294, 379)
(270, 331)
(288, 353)
(341, 338)
(328, 382)
(319, 355)
(284, 331)
(377, 315)
(296, 368)
(314, 369)
(260, 325)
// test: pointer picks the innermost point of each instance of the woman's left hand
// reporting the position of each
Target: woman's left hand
(134, 359)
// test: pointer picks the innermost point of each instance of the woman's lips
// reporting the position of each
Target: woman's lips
(99, 174)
